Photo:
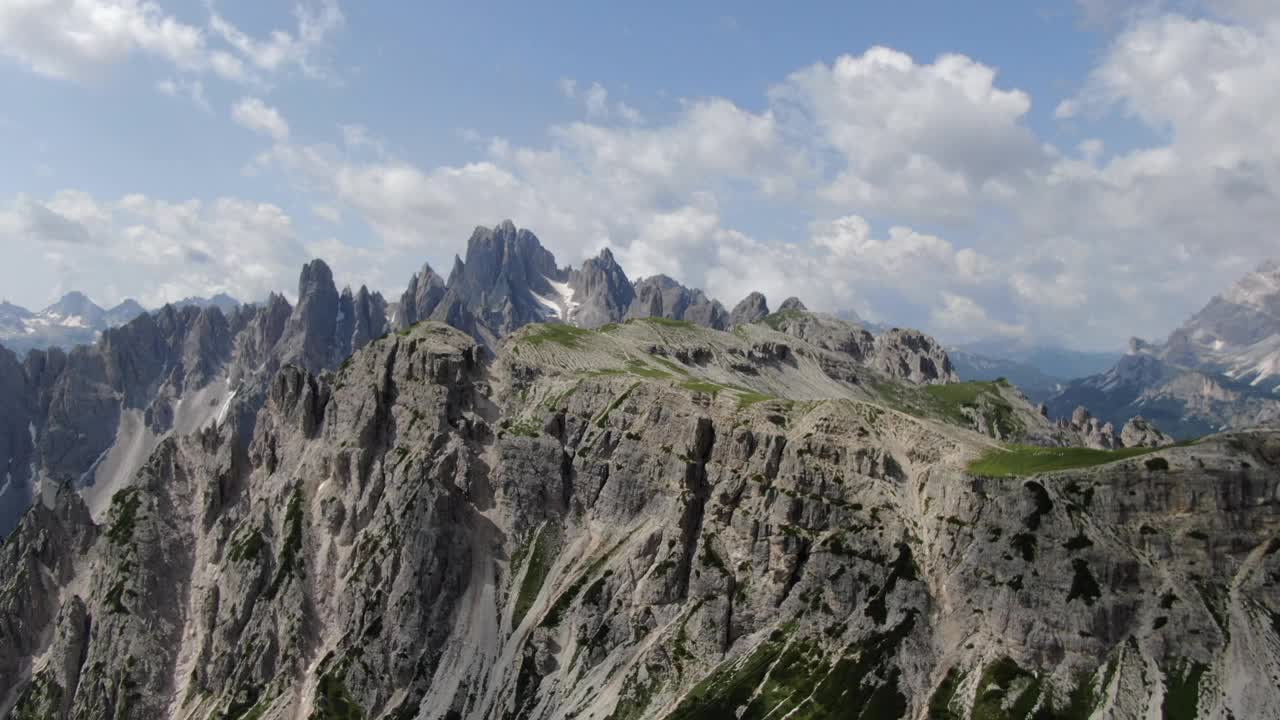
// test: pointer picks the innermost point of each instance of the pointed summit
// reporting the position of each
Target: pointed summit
(309, 337)
(753, 308)
(506, 279)
(421, 297)
(792, 303)
(75, 309)
(601, 290)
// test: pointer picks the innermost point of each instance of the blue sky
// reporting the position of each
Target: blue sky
(1069, 172)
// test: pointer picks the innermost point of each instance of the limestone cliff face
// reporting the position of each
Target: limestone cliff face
(650, 521)
(91, 416)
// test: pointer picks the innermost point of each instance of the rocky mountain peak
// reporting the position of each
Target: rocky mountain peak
(311, 330)
(913, 356)
(1259, 289)
(601, 291)
(505, 281)
(420, 298)
(1140, 432)
(315, 281)
(661, 296)
(124, 312)
(77, 307)
(792, 303)
(751, 309)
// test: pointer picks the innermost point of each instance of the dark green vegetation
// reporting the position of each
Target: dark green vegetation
(1182, 691)
(288, 565)
(794, 679)
(777, 319)
(333, 702)
(1005, 691)
(115, 598)
(540, 557)
(600, 421)
(555, 615)
(1016, 460)
(42, 700)
(526, 427)
(959, 402)
(1008, 692)
(124, 515)
(940, 703)
(962, 404)
(246, 546)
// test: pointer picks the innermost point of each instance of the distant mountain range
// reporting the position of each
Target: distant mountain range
(1220, 369)
(1040, 370)
(77, 320)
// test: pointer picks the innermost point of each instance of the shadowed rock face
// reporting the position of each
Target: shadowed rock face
(660, 296)
(496, 284)
(18, 411)
(605, 291)
(641, 522)
(420, 299)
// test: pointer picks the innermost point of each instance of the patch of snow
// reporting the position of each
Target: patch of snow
(550, 308)
(566, 296)
(562, 306)
(222, 414)
(31, 428)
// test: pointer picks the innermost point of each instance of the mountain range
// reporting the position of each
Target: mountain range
(91, 415)
(76, 320)
(1220, 369)
(1040, 371)
(534, 492)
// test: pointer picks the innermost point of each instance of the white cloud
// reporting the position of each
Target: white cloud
(192, 90)
(595, 102)
(281, 49)
(80, 39)
(154, 250)
(962, 318)
(74, 38)
(932, 139)
(259, 117)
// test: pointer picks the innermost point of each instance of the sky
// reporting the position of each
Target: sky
(1072, 173)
